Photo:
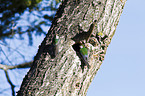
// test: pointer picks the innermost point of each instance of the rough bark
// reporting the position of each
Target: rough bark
(62, 75)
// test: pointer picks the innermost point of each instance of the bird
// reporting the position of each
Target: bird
(56, 44)
(54, 47)
(56, 39)
(82, 53)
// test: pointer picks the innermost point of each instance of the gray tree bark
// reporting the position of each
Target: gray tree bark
(61, 74)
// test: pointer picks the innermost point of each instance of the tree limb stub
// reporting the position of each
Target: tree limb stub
(23, 65)
(62, 75)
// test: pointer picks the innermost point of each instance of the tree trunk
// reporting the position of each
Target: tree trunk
(63, 73)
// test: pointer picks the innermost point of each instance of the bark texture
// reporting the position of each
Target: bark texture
(61, 74)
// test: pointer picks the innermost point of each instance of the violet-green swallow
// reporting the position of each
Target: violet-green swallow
(56, 39)
(55, 46)
(82, 53)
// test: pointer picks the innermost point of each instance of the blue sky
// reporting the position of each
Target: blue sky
(123, 70)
